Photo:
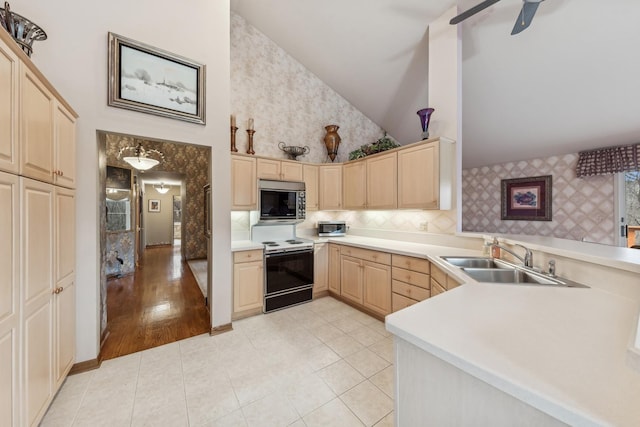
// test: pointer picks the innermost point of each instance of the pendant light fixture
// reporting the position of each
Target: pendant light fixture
(140, 159)
(162, 189)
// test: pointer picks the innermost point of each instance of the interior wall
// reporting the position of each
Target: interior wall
(74, 59)
(159, 225)
(582, 208)
(287, 102)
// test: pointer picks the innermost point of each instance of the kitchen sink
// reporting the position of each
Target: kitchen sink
(475, 262)
(508, 275)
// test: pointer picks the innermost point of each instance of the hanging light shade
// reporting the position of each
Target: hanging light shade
(162, 189)
(141, 159)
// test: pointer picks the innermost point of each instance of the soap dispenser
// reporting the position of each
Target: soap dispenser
(495, 250)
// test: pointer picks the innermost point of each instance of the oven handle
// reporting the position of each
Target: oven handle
(277, 254)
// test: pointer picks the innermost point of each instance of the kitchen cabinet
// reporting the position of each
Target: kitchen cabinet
(279, 170)
(354, 185)
(425, 175)
(330, 190)
(351, 278)
(248, 283)
(382, 182)
(64, 173)
(365, 278)
(376, 287)
(441, 281)
(410, 281)
(9, 299)
(310, 175)
(320, 268)
(334, 269)
(9, 86)
(244, 183)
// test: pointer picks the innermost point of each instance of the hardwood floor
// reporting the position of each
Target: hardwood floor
(159, 304)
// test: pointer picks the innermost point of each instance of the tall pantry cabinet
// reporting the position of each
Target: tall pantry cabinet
(37, 238)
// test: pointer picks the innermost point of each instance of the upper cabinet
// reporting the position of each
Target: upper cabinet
(280, 170)
(244, 184)
(64, 173)
(382, 181)
(9, 84)
(310, 173)
(330, 190)
(354, 185)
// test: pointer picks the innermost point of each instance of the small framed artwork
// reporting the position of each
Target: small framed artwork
(527, 199)
(154, 205)
(150, 80)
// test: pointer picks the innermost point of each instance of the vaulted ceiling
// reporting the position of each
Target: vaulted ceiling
(568, 83)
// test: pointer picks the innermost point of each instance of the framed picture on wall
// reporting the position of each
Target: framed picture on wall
(527, 199)
(154, 205)
(151, 80)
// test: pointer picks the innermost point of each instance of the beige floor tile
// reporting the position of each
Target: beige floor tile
(385, 380)
(379, 328)
(270, 411)
(388, 421)
(321, 356)
(252, 387)
(367, 362)
(346, 323)
(334, 413)
(367, 402)
(209, 397)
(384, 349)
(234, 419)
(308, 393)
(326, 332)
(163, 407)
(366, 336)
(341, 376)
(345, 345)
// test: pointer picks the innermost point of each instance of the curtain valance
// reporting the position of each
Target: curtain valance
(603, 161)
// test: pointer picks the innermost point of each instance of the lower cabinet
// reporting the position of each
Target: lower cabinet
(411, 281)
(334, 269)
(320, 267)
(441, 281)
(248, 283)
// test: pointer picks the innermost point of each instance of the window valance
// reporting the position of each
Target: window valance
(603, 161)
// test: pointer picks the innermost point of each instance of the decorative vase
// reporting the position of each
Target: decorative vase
(332, 141)
(425, 117)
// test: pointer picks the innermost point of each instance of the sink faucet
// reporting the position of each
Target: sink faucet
(527, 261)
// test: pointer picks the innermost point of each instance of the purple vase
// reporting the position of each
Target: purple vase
(425, 116)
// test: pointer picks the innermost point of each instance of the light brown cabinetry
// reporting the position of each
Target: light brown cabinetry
(334, 269)
(248, 283)
(320, 267)
(244, 184)
(330, 193)
(365, 278)
(382, 182)
(354, 185)
(64, 173)
(280, 170)
(441, 281)
(310, 175)
(9, 86)
(411, 282)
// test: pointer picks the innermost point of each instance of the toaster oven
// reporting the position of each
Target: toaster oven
(332, 228)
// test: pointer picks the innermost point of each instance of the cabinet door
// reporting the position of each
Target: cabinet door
(382, 182)
(320, 267)
(269, 169)
(334, 268)
(354, 185)
(330, 187)
(419, 177)
(37, 212)
(9, 303)
(310, 175)
(351, 278)
(36, 136)
(291, 171)
(65, 148)
(9, 84)
(244, 184)
(64, 293)
(377, 287)
(248, 282)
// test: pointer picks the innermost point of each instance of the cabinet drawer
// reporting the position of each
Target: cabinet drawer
(247, 256)
(439, 275)
(413, 277)
(411, 263)
(366, 254)
(436, 288)
(398, 302)
(452, 283)
(409, 291)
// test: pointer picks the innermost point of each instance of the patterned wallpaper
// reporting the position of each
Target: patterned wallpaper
(583, 209)
(287, 101)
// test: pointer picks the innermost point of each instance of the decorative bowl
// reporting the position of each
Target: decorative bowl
(23, 31)
(293, 151)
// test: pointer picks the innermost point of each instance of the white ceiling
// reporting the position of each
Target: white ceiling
(569, 82)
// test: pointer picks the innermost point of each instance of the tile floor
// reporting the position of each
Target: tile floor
(318, 364)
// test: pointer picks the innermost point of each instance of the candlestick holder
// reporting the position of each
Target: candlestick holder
(233, 139)
(250, 132)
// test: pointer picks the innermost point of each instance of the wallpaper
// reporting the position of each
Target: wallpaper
(583, 209)
(287, 102)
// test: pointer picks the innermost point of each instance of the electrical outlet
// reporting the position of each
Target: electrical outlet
(424, 226)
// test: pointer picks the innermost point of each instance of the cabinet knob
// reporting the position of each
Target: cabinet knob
(58, 290)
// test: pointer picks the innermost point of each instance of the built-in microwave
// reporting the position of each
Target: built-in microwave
(281, 201)
(332, 228)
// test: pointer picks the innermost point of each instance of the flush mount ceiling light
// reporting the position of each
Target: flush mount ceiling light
(140, 159)
(162, 189)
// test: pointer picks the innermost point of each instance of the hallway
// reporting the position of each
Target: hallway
(159, 304)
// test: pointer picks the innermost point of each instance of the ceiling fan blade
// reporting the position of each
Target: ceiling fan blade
(475, 9)
(525, 17)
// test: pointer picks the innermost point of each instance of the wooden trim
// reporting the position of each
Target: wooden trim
(217, 330)
(357, 306)
(87, 365)
(322, 294)
(246, 313)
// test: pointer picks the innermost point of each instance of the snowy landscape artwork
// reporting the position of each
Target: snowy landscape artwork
(151, 80)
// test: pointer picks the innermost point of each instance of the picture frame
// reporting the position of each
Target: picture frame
(526, 199)
(154, 205)
(151, 80)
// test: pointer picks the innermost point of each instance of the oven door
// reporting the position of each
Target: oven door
(287, 271)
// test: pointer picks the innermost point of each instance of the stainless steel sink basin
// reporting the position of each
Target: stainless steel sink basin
(508, 275)
(475, 262)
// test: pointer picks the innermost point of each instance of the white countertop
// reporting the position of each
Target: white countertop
(245, 245)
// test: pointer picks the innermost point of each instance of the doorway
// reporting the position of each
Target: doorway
(628, 195)
(184, 168)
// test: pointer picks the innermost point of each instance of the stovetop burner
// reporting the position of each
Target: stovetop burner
(294, 242)
(268, 242)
